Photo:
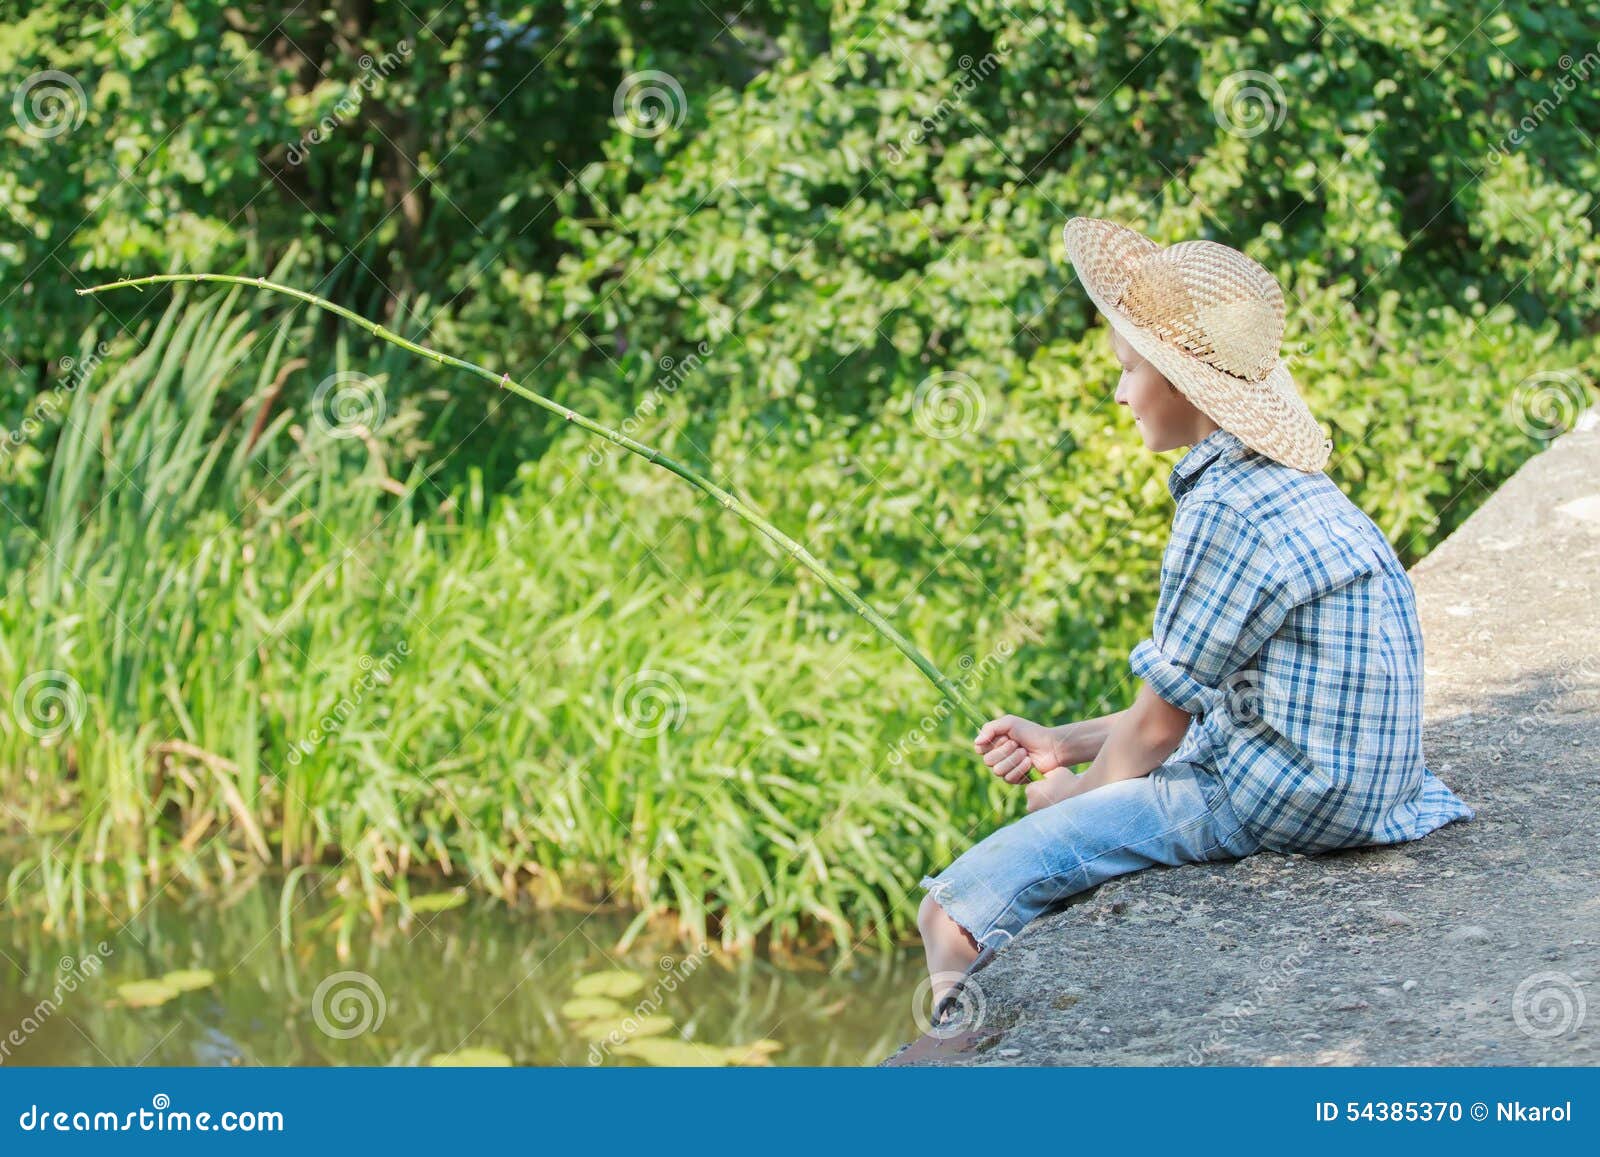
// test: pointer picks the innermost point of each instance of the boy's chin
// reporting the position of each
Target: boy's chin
(1153, 442)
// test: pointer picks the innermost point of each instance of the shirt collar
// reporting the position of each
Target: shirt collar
(1215, 445)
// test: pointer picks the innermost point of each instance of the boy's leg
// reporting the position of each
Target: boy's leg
(1177, 814)
(949, 948)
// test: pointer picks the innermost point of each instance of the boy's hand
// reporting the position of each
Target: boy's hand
(1012, 747)
(1058, 785)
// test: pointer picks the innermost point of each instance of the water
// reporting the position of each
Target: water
(478, 976)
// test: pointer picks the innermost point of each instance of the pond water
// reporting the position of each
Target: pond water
(196, 984)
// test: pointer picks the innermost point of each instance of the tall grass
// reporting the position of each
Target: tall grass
(281, 659)
(282, 648)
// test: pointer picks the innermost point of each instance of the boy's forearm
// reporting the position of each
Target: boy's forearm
(1130, 750)
(1080, 741)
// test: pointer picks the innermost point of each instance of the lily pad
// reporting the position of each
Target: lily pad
(471, 1058)
(665, 1052)
(146, 993)
(592, 1008)
(439, 901)
(616, 984)
(754, 1053)
(628, 1026)
(190, 979)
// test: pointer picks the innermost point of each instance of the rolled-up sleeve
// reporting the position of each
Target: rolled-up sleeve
(1223, 595)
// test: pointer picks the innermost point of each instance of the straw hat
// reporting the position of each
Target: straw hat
(1211, 321)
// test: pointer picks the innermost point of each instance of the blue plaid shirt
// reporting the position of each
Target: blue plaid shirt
(1287, 626)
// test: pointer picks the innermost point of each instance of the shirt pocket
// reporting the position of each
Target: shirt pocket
(1330, 553)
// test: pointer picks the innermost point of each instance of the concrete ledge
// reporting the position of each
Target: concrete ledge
(1478, 944)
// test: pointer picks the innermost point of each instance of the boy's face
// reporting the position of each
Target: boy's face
(1164, 417)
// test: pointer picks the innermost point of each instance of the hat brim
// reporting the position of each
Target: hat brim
(1268, 416)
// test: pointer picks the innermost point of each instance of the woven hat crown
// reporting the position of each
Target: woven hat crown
(1211, 301)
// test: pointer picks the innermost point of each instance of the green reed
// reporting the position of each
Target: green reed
(729, 501)
(283, 665)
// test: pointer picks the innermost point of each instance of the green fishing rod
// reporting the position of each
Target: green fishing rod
(504, 381)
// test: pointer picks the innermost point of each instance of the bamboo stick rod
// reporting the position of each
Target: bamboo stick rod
(730, 502)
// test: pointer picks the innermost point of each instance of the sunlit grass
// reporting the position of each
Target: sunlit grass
(590, 690)
(235, 642)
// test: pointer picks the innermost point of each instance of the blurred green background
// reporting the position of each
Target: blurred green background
(279, 595)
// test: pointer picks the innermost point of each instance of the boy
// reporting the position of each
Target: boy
(1282, 702)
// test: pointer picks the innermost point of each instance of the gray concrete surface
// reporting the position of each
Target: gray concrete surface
(1478, 944)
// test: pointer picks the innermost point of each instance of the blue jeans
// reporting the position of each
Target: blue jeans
(1178, 814)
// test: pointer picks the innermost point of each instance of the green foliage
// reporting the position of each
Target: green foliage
(853, 220)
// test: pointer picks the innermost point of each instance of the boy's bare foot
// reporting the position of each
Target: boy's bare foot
(949, 947)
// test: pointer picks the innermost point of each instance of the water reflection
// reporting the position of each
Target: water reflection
(474, 977)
